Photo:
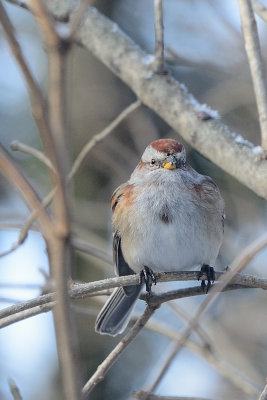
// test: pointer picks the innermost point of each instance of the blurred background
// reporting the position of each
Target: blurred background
(204, 50)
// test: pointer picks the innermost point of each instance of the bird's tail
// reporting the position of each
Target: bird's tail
(115, 315)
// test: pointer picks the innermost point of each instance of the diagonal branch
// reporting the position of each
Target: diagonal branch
(169, 99)
(104, 367)
(12, 172)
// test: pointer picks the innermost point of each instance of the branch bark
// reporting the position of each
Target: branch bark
(169, 99)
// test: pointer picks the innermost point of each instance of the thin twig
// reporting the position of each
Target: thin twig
(203, 335)
(39, 106)
(259, 9)
(14, 389)
(252, 45)
(12, 172)
(101, 136)
(27, 225)
(263, 395)
(225, 369)
(159, 37)
(104, 367)
(238, 264)
(18, 146)
(76, 166)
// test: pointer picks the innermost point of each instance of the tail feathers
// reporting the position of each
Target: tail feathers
(115, 315)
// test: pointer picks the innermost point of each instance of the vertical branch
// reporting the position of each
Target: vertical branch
(59, 248)
(252, 45)
(159, 37)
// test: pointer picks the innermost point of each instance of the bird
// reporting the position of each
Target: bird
(166, 217)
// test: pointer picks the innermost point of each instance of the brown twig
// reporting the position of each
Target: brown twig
(75, 168)
(14, 175)
(159, 37)
(39, 106)
(104, 367)
(99, 137)
(252, 45)
(18, 146)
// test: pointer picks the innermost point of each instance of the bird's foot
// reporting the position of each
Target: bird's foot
(147, 276)
(209, 271)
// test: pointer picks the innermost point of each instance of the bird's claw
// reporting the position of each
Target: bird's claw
(147, 276)
(209, 271)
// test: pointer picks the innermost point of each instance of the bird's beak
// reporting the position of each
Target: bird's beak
(170, 163)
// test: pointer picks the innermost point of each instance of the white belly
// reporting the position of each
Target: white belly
(192, 236)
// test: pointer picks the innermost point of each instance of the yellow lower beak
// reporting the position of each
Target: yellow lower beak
(169, 165)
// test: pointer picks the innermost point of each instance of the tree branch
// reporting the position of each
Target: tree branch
(263, 395)
(60, 248)
(84, 290)
(97, 138)
(104, 367)
(169, 99)
(18, 146)
(159, 37)
(11, 172)
(259, 9)
(252, 45)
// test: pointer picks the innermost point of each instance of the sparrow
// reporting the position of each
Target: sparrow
(166, 217)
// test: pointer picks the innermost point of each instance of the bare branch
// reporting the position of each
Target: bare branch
(171, 101)
(259, 9)
(225, 369)
(59, 248)
(75, 168)
(101, 136)
(238, 264)
(263, 395)
(39, 106)
(104, 367)
(252, 45)
(159, 37)
(25, 229)
(11, 172)
(84, 290)
(18, 146)
(14, 389)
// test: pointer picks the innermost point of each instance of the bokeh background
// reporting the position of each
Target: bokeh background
(204, 50)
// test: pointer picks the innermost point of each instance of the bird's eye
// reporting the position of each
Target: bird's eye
(152, 162)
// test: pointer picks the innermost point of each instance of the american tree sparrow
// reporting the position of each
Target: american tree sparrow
(167, 217)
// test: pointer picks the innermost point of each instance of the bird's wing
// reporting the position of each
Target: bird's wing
(121, 266)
